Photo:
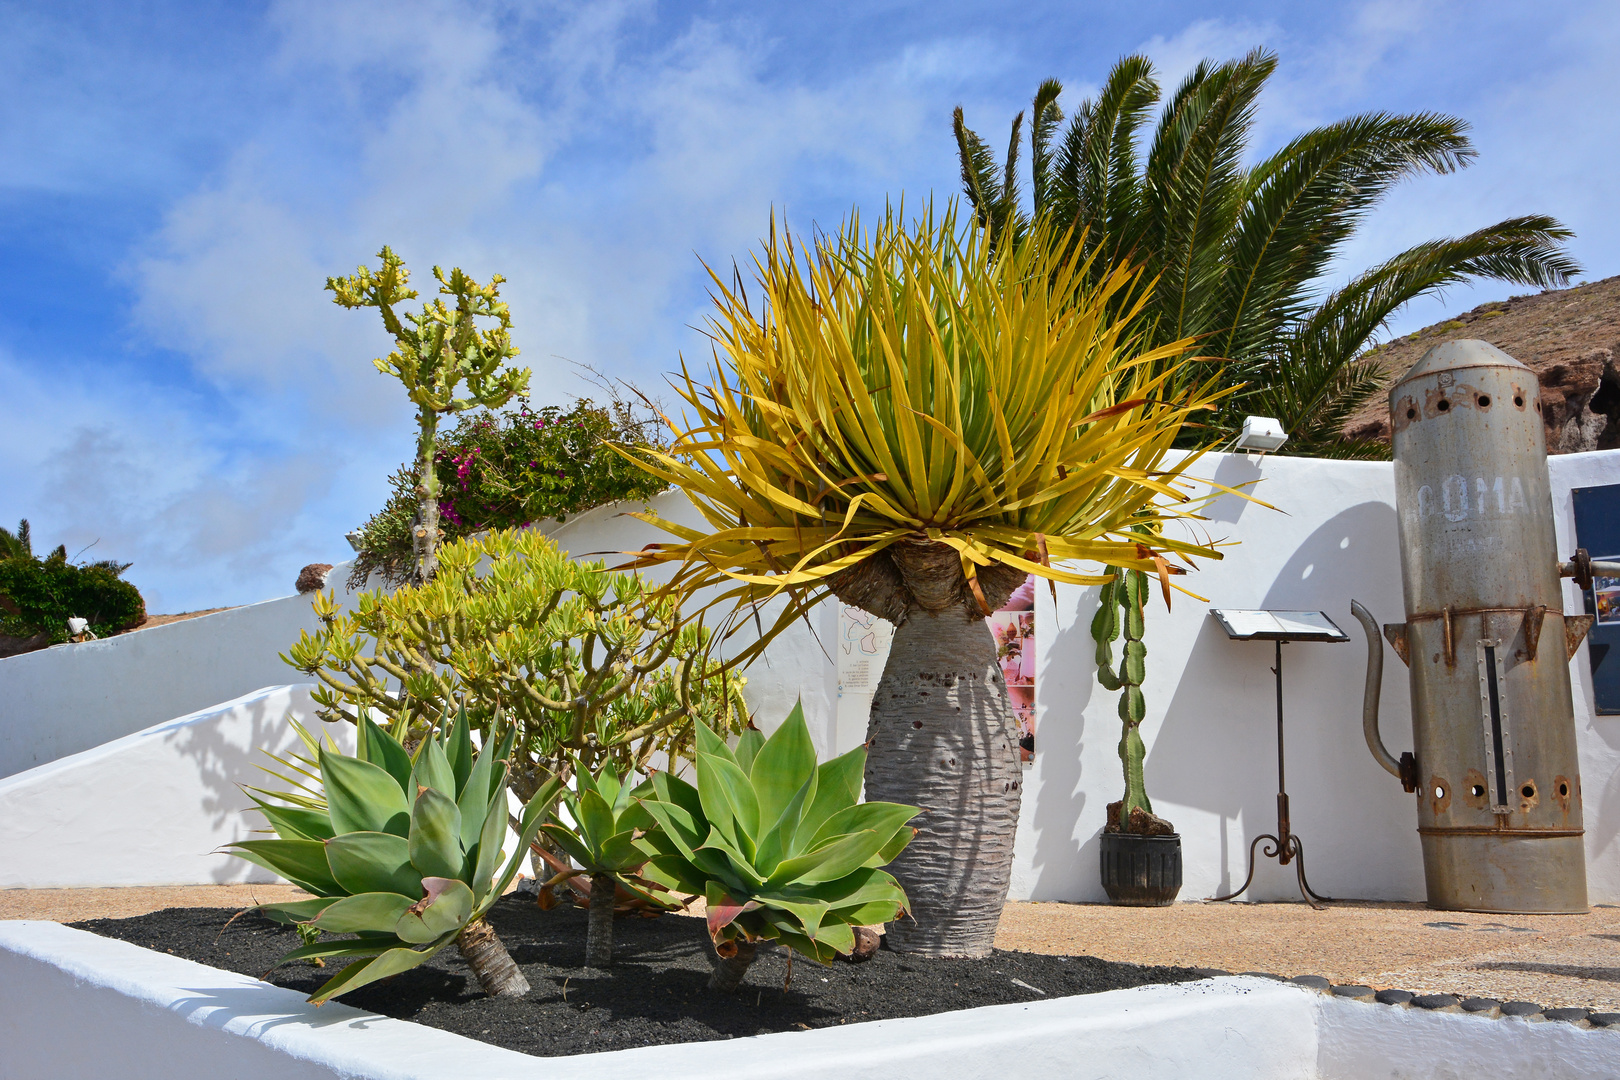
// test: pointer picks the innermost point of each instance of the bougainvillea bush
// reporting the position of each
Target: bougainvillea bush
(504, 469)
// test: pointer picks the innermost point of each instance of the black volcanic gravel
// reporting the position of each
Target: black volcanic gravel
(655, 992)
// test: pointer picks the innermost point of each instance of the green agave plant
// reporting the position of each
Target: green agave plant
(401, 851)
(609, 818)
(781, 849)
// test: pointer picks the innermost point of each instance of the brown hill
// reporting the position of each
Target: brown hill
(1568, 337)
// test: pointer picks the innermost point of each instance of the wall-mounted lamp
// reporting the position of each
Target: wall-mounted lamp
(1261, 434)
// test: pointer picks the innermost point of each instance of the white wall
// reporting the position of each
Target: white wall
(1211, 726)
(73, 1004)
(799, 663)
(154, 807)
(68, 698)
(1211, 765)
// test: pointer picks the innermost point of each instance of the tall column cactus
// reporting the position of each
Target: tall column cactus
(1119, 610)
(434, 353)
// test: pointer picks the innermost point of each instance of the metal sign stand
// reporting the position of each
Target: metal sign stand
(1280, 627)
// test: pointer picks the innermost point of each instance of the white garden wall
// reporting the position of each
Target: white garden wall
(73, 1004)
(1211, 763)
(154, 807)
(68, 698)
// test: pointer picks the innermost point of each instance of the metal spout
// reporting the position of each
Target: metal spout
(1405, 769)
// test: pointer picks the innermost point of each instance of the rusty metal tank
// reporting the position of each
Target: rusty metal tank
(1485, 639)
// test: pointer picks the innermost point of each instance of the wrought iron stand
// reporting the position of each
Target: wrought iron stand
(1285, 846)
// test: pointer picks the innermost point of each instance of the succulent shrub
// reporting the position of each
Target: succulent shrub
(914, 420)
(403, 851)
(583, 664)
(498, 470)
(607, 818)
(780, 848)
(435, 353)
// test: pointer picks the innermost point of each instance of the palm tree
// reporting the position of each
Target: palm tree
(1240, 251)
(914, 423)
(17, 545)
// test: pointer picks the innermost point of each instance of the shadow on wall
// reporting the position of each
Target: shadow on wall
(1061, 860)
(227, 757)
(1230, 684)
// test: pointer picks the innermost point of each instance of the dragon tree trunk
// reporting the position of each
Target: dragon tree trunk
(943, 737)
(425, 535)
(489, 960)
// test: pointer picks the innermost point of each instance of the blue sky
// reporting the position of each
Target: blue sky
(177, 180)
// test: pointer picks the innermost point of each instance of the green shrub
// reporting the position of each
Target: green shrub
(589, 666)
(499, 470)
(39, 596)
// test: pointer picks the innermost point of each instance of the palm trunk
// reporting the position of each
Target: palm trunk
(490, 961)
(599, 928)
(943, 737)
(729, 970)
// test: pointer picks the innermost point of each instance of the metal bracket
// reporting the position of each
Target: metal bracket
(1575, 628)
(1531, 626)
(1396, 633)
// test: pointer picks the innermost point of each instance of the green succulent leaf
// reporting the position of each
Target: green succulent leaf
(302, 862)
(378, 967)
(446, 909)
(748, 747)
(433, 770)
(294, 822)
(838, 784)
(360, 797)
(296, 911)
(372, 912)
(378, 747)
(782, 767)
(458, 748)
(373, 862)
(729, 800)
(474, 801)
(488, 854)
(435, 837)
(595, 818)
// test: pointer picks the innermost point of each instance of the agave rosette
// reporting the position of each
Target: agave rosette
(403, 852)
(779, 847)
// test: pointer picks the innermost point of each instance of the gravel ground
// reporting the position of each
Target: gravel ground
(1553, 960)
(655, 992)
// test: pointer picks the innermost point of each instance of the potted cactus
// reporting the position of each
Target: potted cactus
(1141, 852)
(780, 848)
(405, 852)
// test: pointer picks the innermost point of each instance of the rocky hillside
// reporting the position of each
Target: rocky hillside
(1568, 337)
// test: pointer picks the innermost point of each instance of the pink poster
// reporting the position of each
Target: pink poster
(1013, 626)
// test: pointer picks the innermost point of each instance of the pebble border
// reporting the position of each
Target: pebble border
(1475, 1006)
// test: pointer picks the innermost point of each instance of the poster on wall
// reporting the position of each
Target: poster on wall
(863, 649)
(1597, 529)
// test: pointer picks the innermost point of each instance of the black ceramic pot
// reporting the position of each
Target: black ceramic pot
(1141, 871)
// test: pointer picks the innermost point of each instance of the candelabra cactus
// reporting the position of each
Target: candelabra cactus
(1120, 612)
(405, 852)
(434, 353)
